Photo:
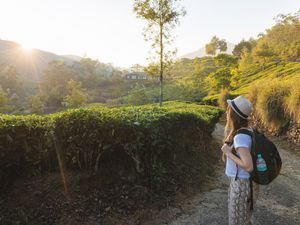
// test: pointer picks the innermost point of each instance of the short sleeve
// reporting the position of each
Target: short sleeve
(242, 141)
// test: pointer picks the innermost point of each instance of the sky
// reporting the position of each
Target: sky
(109, 31)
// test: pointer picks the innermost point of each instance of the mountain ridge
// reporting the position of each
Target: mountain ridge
(29, 63)
(201, 52)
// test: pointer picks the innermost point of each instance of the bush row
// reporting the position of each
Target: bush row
(277, 102)
(153, 138)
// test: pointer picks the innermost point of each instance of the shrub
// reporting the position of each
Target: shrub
(224, 95)
(158, 140)
(293, 102)
(253, 93)
(26, 146)
(220, 79)
(270, 104)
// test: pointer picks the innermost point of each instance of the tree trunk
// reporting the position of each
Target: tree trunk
(161, 65)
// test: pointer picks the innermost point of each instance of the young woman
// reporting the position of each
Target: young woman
(239, 161)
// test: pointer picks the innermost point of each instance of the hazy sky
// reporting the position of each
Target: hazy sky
(109, 31)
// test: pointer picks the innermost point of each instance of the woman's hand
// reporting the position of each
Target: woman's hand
(226, 149)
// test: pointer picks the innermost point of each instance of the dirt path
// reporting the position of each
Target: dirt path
(278, 203)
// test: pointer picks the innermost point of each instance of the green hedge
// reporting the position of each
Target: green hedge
(151, 136)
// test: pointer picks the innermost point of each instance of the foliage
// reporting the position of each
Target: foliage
(149, 135)
(293, 101)
(263, 52)
(76, 96)
(26, 146)
(226, 60)
(138, 96)
(241, 46)
(214, 45)
(36, 104)
(246, 61)
(89, 66)
(253, 93)
(9, 79)
(152, 70)
(187, 79)
(54, 82)
(270, 104)
(3, 100)
(220, 79)
(284, 37)
(224, 95)
(162, 17)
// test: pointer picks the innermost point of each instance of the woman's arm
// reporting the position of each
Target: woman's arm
(245, 160)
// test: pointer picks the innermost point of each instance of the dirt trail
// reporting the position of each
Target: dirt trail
(278, 203)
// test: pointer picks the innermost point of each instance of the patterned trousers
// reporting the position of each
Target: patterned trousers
(239, 212)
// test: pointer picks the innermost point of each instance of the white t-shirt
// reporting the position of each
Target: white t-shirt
(239, 141)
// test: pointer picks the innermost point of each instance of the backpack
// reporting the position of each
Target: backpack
(262, 149)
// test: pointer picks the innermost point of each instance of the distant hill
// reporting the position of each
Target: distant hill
(201, 52)
(29, 63)
(73, 57)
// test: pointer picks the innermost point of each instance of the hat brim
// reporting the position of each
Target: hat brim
(229, 102)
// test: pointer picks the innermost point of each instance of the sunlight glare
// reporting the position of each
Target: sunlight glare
(26, 48)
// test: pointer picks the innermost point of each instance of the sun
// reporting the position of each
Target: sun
(26, 48)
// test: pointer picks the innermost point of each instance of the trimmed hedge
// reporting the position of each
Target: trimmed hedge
(151, 136)
(26, 146)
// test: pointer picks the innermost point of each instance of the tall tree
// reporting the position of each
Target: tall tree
(222, 45)
(162, 17)
(284, 37)
(211, 47)
(214, 45)
(77, 96)
(54, 82)
(263, 52)
(238, 49)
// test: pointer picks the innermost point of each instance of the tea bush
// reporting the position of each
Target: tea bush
(153, 137)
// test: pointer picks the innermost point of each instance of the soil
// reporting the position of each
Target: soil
(277, 203)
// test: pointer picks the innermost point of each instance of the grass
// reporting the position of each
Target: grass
(270, 103)
(292, 103)
(282, 71)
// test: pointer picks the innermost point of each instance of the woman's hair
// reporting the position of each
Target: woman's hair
(234, 123)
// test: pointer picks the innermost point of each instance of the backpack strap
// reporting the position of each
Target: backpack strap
(245, 131)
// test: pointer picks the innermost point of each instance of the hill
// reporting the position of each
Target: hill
(29, 63)
(201, 52)
(73, 57)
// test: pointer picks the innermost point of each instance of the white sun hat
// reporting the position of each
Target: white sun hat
(242, 106)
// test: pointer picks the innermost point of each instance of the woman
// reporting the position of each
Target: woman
(239, 161)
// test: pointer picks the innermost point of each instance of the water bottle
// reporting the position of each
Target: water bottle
(260, 163)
